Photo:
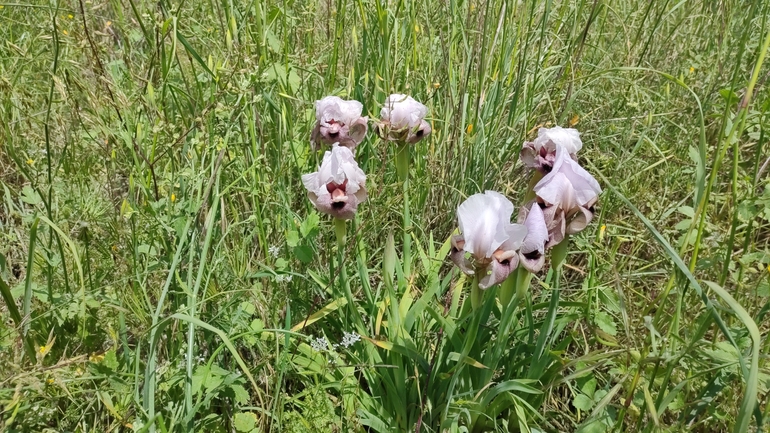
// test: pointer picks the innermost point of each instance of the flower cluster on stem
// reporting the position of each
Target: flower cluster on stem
(490, 247)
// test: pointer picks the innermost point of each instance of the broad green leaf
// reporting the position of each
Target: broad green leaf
(583, 402)
(606, 323)
(244, 421)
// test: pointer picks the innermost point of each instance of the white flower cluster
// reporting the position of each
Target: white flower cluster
(349, 339)
(283, 278)
(321, 344)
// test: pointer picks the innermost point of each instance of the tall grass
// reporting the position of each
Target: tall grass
(162, 270)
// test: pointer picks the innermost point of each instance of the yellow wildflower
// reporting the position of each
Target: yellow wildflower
(65, 32)
(692, 69)
(30, 161)
(469, 128)
(173, 198)
(602, 229)
(70, 16)
(436, 85)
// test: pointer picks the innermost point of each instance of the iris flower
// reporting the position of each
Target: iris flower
(541, 153)
(338, 187)
(402, 119)
(488, 237)
(566, 196)
(338, 121)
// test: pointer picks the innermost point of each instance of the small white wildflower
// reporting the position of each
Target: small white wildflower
(282, 278)
(274, 251)
(350, 338)
(320, 344)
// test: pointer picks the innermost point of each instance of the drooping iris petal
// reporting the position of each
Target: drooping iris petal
(338, 187)
(553, 216)
(582, 218)
(457, 255)
(483, 219)
(532, 251)
(498, 271)
(505, 258)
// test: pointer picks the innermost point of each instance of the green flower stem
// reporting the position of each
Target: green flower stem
(514, 288)
(508, 289)
(340, 230)
(477, 293)
(402, 161)
(407, 233)
(559, 253)
(512, 291)
(530, 194)
(402, 170)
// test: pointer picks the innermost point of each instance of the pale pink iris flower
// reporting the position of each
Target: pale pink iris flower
(338, 187)
(402, 119)
(566, 196)
(488, 237)
(338, 121)
(541, 153)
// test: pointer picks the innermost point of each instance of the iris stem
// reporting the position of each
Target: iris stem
(340, 230)
(477, 293)
(530, 194)
(559, 253)
(508, 288)
(402, 170)
(514, 288)
(402, 161)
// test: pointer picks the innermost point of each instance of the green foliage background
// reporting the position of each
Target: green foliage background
(151, 154)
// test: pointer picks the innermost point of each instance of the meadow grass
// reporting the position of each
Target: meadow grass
(163, 270)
